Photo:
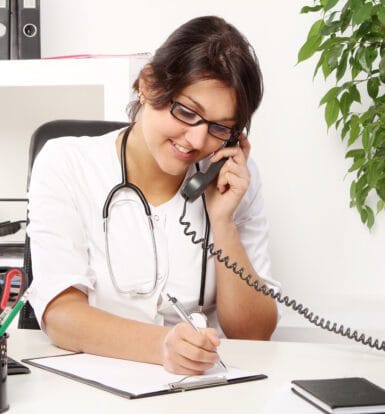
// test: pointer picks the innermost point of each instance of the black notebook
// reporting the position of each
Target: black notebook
(342, 395)
(15, 367)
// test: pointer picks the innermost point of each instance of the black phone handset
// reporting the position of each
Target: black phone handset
(192, 189)
(197, 183)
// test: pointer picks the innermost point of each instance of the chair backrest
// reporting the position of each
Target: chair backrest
(49, 130)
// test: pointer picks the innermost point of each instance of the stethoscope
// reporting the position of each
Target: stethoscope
(126, 184)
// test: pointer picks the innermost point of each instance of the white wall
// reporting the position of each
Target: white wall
(321, 252)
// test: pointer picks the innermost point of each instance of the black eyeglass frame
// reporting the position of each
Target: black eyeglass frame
(174, 104)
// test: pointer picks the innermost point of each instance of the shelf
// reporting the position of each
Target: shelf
(37, 91)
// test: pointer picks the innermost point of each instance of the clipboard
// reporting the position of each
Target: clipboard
(130, 379)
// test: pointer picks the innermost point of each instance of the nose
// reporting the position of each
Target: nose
(197, 136)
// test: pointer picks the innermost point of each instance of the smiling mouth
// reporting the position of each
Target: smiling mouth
(182, 149)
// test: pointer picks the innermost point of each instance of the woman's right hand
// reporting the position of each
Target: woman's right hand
(188, 351)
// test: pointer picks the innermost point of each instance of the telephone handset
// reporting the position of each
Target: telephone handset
(197, 183)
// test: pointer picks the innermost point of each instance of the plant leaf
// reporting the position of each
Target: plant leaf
(330, 4)
(333, 55)
(357, 164)
(361, 184)
(355, 95)
(379, 138)
(381, 14)
(373, 173)
(341, 68)
(364, 30)
(362, 13)
(370, 56)
(382, 67)
(380, 189)
(331, 112)
(353, 190)
(315, 29)
(345, 18)
(355, 153)
(355, 67)
(364, 215)
(355, 4)
(330, 19)
(345, 130)
(307, 9)
(309, 48)
(361, 57)
(331, 94)
(326, 69)
(330, 28)
(345, 102)
(370, 219)
(319, 64)
(354, 129)
(372, 87)
(366, 139)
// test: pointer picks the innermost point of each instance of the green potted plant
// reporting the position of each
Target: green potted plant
(349, 38)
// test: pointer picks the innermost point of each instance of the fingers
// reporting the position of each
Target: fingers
(234, 172)
(212, 336)
(190, 352)
(234, 175)
(233, 180)
(240, 152)
(234, 152)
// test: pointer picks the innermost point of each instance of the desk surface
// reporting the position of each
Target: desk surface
(44, 392)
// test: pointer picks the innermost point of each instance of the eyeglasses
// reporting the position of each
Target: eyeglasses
(189, 117)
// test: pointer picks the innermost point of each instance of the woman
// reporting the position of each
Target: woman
(106, 294)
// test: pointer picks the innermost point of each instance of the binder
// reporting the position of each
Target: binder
(132, 379)
(4, 29)
(13, 43)
(28, 29)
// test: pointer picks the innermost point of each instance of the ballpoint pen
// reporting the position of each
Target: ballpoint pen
(180, 310)
(14, 312)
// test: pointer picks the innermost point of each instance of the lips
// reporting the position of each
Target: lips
(182, 152)
(182, 149)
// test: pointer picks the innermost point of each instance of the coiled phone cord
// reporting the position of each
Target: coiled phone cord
(291, 303)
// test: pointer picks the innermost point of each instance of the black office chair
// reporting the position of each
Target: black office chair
(49, 130)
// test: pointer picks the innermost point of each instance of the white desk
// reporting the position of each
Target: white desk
(42, 392)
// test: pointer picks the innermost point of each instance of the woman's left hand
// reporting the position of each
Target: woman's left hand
(224, 195)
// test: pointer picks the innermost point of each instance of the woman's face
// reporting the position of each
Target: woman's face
(174, 145)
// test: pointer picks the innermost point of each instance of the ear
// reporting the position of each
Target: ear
(144, 87)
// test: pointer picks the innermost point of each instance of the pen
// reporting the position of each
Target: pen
(180, 310)
(14, 312)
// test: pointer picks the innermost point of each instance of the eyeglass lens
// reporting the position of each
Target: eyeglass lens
(190, 117)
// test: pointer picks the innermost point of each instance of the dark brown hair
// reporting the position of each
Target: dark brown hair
(204, 48)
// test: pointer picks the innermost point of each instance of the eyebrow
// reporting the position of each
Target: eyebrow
(201, 109)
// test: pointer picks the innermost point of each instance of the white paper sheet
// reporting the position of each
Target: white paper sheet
(131, 377)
